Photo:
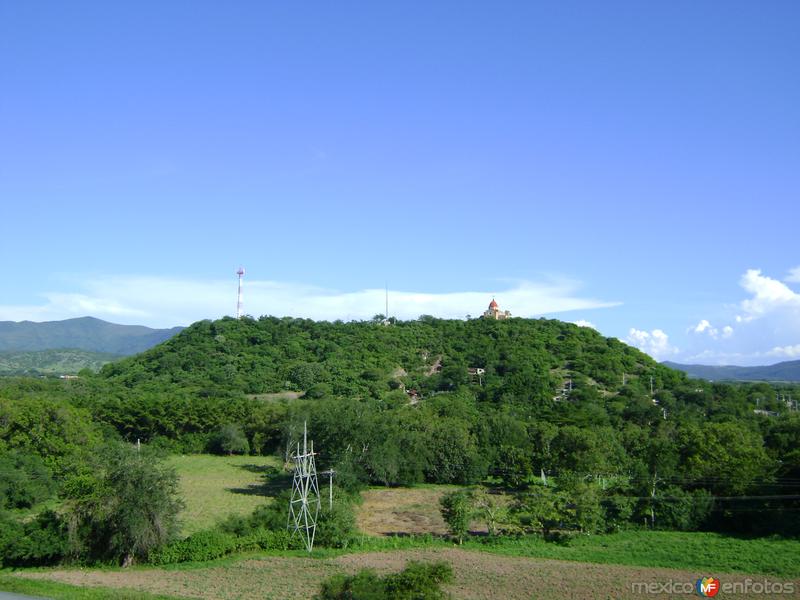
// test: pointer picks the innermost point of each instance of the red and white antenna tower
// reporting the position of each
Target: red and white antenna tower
(239, 306)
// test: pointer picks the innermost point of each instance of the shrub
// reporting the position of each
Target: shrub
(24, 480)
(230, 439)
(335, 526)
(200, 546)
(418, 581)
(456, 508)
(272, 516)
(681, 509)
(212, 544)
(365, 585)
(42, 541)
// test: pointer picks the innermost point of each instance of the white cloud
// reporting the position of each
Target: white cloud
(162, 301)
(765, 325)
(703, 326)
(585, 323)
(655, 343)
(768, 294)
(785, 351)
(793, 276)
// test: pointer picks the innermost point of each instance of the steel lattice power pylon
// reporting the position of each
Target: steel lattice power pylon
(304, 505)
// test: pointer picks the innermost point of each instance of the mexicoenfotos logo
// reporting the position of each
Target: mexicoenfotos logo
(707, 587)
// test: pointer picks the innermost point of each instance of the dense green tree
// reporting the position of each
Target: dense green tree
(127, 506)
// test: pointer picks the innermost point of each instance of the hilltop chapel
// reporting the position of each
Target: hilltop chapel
(494, 312)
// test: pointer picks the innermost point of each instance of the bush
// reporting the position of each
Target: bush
(417, 581)
(42, 541)
(200, 546)
(335, 526)
(682, 510)
(272, 517)
(456, 508)
(230, 439)
(24, 480)
(212, 544)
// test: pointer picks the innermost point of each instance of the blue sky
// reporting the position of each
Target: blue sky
(632, 165)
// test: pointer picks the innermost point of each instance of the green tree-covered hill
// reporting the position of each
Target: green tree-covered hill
(522, 359)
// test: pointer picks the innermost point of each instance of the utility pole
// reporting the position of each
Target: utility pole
(653, 501)
(330, 473)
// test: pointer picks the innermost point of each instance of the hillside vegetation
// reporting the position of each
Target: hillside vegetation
(528, 359)
(53, 362)
(580, 432)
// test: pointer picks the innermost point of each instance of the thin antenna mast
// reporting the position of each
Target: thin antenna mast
(387, 300)
(239, 304)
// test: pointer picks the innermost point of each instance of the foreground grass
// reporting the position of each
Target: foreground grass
(711, 552)
(214, 487)
(61, 591)
(478, 574)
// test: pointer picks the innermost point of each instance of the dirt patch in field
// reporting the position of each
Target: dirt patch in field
(401, 511)
(477, 576)
(404, 511)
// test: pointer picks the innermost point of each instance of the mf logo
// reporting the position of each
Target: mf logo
(707, 587)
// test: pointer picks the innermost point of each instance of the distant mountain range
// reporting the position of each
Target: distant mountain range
(84, 333)
(782, 371)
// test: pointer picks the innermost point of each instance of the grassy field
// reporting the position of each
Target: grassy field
(711, 552)
(478, 575)
(216, 486)
(54, 590)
